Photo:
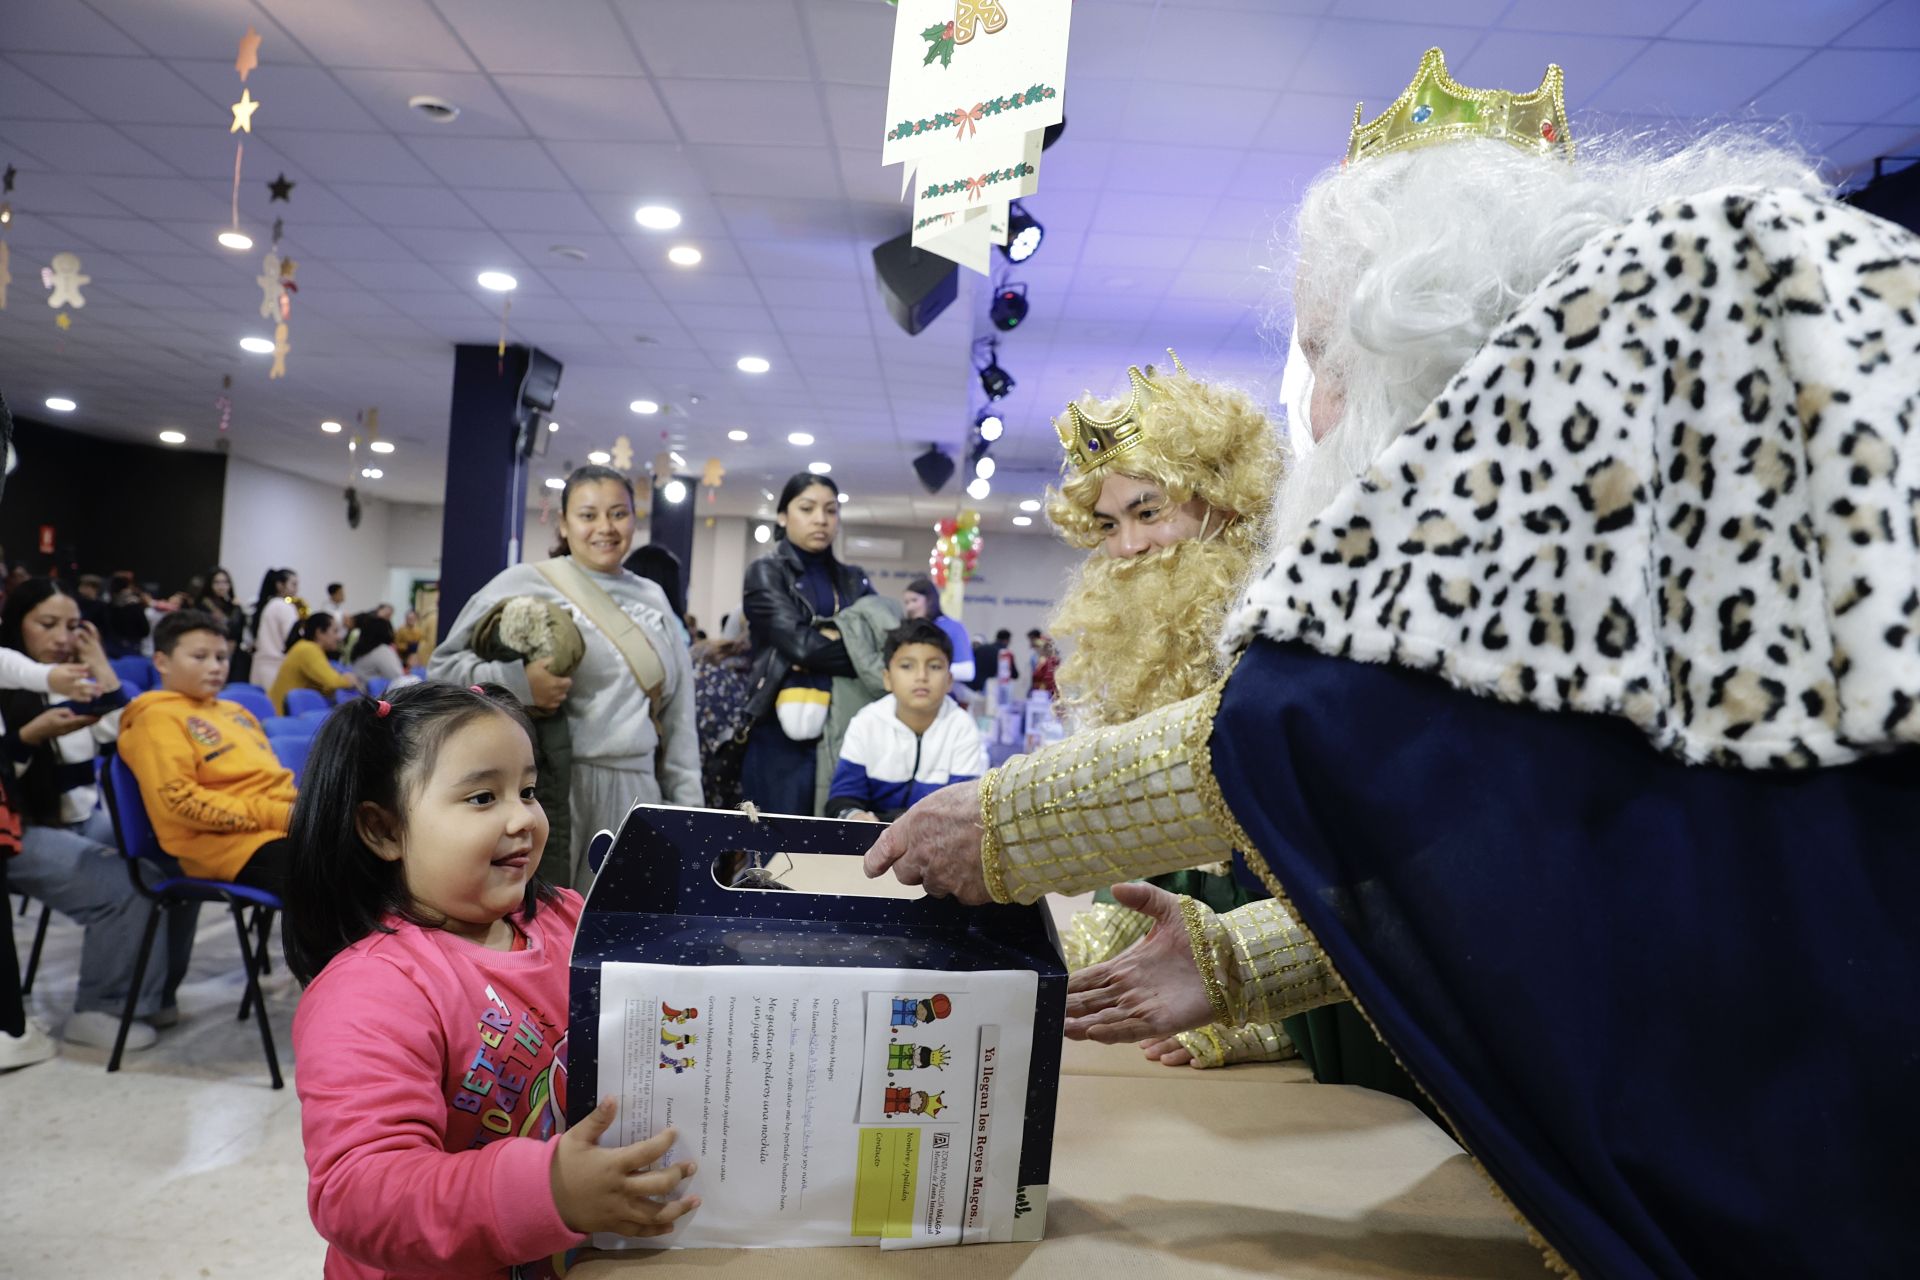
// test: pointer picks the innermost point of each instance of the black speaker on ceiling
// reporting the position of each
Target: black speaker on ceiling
(539, 389)
(1894, 196)
(916, 285)
(934, 468)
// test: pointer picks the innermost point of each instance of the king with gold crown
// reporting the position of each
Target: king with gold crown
(1571, 716)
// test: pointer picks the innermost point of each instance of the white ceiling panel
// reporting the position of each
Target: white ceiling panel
(1665, 79)
(747, 111)
(487, 162)
(1795, 22)
(1845, 84)
(151, 89)
(397, 34)
(578, 108)
(62, 28)
(730, 40)
(545, 39)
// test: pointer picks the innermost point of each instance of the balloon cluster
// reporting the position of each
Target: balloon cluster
(957, 548)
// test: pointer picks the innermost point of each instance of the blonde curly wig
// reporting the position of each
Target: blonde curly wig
(1142, 632)
(1201, 440)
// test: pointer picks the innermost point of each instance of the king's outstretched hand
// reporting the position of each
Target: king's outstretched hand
(1147, 992)
(937, 846)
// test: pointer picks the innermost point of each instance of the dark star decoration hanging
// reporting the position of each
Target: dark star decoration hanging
(9, 179)
(281, 189)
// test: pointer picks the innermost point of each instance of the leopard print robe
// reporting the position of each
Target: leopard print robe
(1680, 484)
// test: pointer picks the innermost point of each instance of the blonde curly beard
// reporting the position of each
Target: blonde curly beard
(1142, 631)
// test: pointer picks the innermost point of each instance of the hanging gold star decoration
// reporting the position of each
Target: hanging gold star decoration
(249, 53)
(243, 113)
(280, 349)
(63, 321)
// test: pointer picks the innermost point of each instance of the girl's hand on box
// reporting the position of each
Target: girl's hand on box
(617, 1189)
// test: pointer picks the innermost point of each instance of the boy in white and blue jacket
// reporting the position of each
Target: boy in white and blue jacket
(912, 742)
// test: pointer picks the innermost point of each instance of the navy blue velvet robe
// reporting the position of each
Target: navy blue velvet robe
(1674, 1010)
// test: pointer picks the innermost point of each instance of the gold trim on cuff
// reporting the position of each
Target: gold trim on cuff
(993, 861)
(1203, 959)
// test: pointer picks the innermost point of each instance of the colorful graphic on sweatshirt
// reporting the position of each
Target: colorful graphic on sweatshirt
(510, 1081)
(204, 732)
(909, 1012)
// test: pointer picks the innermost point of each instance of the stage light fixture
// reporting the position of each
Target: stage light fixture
(984, 467)
(674, 491)
(1024, 234)
(762, 534)
(934, 468)
(599, 457)
(994, 380)
(992, 426)
(1009, 307)
(979, 490)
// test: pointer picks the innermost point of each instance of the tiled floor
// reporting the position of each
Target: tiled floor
(185, 1165)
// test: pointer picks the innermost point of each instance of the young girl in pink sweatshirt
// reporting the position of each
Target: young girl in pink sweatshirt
(431, 1038)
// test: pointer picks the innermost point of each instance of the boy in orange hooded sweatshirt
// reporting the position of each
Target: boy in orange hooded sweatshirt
(218, 799)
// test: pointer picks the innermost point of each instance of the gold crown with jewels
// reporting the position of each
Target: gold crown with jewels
(1091, 443)
(1435, 108)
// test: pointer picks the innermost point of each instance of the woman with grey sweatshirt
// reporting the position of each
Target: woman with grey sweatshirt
(619, 758)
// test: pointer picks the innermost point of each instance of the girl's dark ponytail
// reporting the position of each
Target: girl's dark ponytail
(339, 890)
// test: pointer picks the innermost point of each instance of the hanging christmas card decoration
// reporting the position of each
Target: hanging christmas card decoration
(965, 178)
(1005, 74)
(966, 238)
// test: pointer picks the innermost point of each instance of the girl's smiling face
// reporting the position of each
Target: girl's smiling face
(472, 834)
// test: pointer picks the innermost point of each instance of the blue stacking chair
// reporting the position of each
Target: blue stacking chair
(135, 672)
(158, 879)
(377, 687)
(291, 751)
(253, 698)
(286, 727)
(302, 702)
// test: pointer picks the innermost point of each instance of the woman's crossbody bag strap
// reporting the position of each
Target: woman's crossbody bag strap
(620, 630)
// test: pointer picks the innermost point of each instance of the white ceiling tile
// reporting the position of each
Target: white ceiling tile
(734, 40)
(1798, 22)
(198, 29)
(757, 219)
(198, 152)
(57, 144)
(852, 40)
(1666, 79)
(1618, 17)
(350, 157)
(1072, 164)
(24, 98)
(403, 283)
(589, 108)
(558, 211)
(128, 235)
(572, 38)
(61, 28)
(467, 251)
(1214, 115)
(746, 111)
(1105, 249)
(486, 162)
(1167, 169)
(406, 206)
(637, 171)
(791, 173)
(1216, 47)
(1257, 221)
(683, 285)
(1895, 25)
(1372, 61)
(857, 115)
(1844, 84)
(149, 89)
(394, 34)
(1152, 214)
(289, 97)
(1096, 110)
(1517, 60)
(867, 182)
(384, 96)
(338, 243)
(1857, 151)
(606, 255)
(180, 198)
(1280, 177)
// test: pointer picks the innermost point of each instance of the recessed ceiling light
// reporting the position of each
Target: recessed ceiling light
(571, 252)
(372, 473)
(1031, 504)
(674, 491)
(984, 468)
(752, 364)
(381, 446)
(762, 534)
(498, 281)
(645, 406)
(800, 438)
(553, 426)
(235, 240)
(684, 255)
(555, 482)
(173, 437)
(259, 346)
(979, 490)
(738, 437)
(677, 458)
(438, 110)
(657, 217)
(820, 468)
(844, 499)
(599, 457)
(60, 404)
(992, 427)
(1023, 521)
(330, 427)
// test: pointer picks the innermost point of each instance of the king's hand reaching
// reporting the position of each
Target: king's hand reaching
(1151, 990)
(937, 845)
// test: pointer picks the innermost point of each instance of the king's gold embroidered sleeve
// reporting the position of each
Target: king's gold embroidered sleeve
(1101, 932)
(1266, 963)
(1104, 806)
(1220, 1045)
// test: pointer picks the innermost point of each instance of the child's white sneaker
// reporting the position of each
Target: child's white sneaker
(30, 1046)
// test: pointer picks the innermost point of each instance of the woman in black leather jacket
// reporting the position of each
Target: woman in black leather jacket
(790, 594)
